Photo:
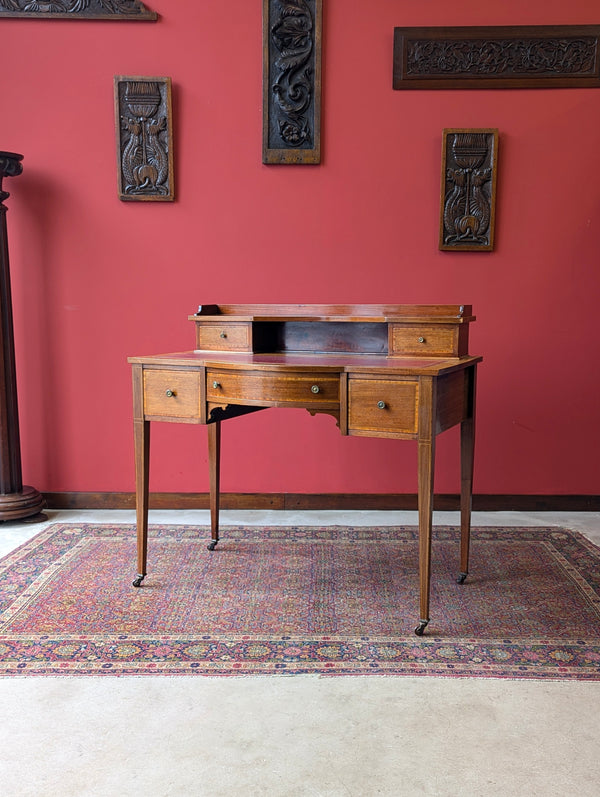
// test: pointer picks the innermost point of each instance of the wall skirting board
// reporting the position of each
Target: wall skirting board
(339, 501)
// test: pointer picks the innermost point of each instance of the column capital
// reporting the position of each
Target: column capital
(10, 166)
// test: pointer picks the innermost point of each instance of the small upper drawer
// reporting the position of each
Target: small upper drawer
(224, 337)
(169, 393)
(268, 388)
(435, 339)
(382, 407)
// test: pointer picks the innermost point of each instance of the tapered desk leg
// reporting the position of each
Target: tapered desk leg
(141, 441)
(467, 451)
(214, 467)
(426, 470)
(426, 455)
(141, 430)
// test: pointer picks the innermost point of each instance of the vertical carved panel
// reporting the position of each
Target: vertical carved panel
(144, 138)
(292, 81)
(468, 201)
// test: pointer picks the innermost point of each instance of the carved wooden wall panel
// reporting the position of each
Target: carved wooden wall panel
(468, 201)
(546, 56)
(144, 138)
(292, 81)
(77, 9)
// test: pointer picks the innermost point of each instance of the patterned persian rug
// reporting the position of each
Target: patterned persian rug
(331, 600)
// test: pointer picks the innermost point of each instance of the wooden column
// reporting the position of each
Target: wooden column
(16, 501)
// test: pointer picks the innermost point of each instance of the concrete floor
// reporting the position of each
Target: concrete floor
(298, 735)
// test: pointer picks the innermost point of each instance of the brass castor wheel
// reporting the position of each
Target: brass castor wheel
(461, 578)
(421, 627)
(137, 582)
(212, 545)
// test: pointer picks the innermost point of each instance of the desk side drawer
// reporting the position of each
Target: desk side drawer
(432, 340)
(272, 389)
(169, 393)
(382, 407)
(224, 337)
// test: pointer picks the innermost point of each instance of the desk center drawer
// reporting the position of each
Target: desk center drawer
(169, 393)
(266, 388)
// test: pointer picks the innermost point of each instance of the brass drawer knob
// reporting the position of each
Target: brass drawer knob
(216, 385)
(170, 393)
(223, 334)
(381, 405)
(316, 389)
(422, 340)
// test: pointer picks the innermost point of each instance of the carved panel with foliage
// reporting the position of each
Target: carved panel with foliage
(144, 138)
(468, 202)
(527, 56)
(292, 81)
(77, 9)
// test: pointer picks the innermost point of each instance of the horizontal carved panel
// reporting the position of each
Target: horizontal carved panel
(292, 81)
(144, 138)
(77, 9)
(548, 56)
(468, 201)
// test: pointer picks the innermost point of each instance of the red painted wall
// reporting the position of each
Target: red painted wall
(96, 279)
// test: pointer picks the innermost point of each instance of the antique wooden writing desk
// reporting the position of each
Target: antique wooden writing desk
(396, 371)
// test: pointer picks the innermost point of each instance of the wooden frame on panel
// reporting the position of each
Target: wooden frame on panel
(468, 191)
(144, 134)
(525, 56)
(292, 32)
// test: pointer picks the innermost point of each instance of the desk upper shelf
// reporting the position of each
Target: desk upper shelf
(384, 329)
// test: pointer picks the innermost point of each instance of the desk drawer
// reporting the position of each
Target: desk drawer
(436, 339)
(224, 337)
(271, 389)
(382, 407)
(169, 393)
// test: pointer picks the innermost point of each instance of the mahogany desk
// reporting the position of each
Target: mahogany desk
(396, 371)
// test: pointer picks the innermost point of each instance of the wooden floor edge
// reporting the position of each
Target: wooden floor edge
(323, 501)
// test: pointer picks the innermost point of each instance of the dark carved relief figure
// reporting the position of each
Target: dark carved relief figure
(144, 160)
(143, 113)
(292, 81)
(510, 57)
(467, 208)
(468, 189)
(292, 36)
(92, 9)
